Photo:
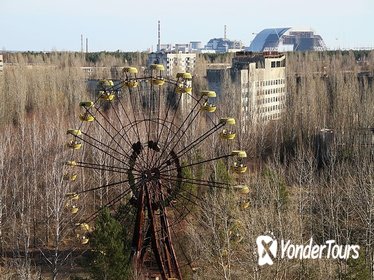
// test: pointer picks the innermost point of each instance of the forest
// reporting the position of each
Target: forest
(310, 173)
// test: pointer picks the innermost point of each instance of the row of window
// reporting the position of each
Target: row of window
(179, 60)
(271, 91)
(271, 108)
(275, 64)
(271, 117)
(187, 64)
(270, 82)
(271, 99)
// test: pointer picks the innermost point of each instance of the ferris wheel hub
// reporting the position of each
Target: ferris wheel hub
(151, 175)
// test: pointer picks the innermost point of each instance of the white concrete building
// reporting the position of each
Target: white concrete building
(174, 62)
(258, 82)
(262, 83)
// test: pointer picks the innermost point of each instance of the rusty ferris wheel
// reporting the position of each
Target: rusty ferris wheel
(132, 147)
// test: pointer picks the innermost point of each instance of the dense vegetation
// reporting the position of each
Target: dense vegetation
(303, 183)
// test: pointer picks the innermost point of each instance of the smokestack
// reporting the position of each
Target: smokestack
(159, 37)
(81, 43)
(86, 45)
(224, 32)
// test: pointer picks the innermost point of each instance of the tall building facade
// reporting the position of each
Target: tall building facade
(259, 85)
(262, 83)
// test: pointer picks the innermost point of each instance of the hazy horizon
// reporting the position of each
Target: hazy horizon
(40, 25)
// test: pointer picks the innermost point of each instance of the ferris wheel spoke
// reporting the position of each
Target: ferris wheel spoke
(187, 199)
(184, 131)
(116, 130)
(112, 137)
(168, 143)
(108, 204)
(123, 128)
(199, 140)
(174, 115)
(107, 186)
(199, 181)
(103, 167)
(140, 97)
(133, 112)
(197, 163)
(157, 124)
(167, 114)
(100, 149)
(194, 143)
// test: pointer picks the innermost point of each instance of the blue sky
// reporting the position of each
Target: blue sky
(44, 25)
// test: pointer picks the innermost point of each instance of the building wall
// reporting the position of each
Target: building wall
(260, 83)
(267, 89)
(174, 62)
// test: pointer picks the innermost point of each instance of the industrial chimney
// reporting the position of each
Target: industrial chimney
(159, 37)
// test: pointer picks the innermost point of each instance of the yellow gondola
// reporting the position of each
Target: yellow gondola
(236, 230)
(242, 189)
(106, 96)
(84, 240)
(228, 135)
(180, 89)
(72, 144)
(72, 196)
(239, 153)
(209, 107)
(86, 104)
(208, 93)
(132, 83)
(84, 227)
(244, 204)
(106, 83)
(158, 81)
(74, 132)
(69, 177)
(71, 163)
(186, 76)
(86, 117)
(74, 209)
(230, 121)
(239, 168)
(157, 67)
(130, 70)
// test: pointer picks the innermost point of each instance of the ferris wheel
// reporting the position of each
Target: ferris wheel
(137, 144)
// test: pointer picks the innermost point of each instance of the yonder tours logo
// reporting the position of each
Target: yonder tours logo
(268, 248)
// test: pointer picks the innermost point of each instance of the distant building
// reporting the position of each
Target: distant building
(287, 39)
(195, 46)
(166, 47)
(174, 62)
(260, 80)
(184, 48)
(1, 63)
(221, 45)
